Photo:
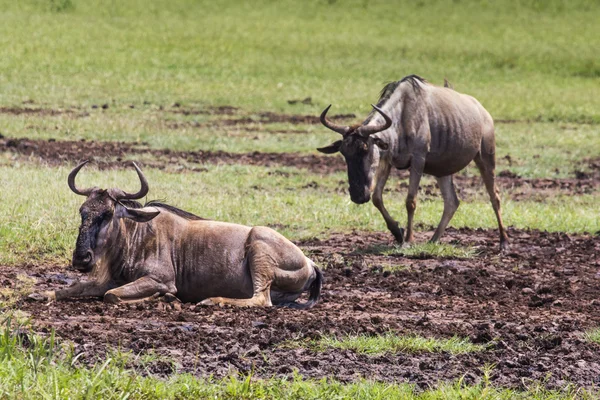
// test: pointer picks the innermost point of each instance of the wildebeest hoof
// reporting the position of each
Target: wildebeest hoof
(43, 296)
(398, 235)
(207, 302)
(169, 298)
(212, 301)
(111, 298)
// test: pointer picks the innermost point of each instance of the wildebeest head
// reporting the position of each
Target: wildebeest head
(100, 209)
(357, 147)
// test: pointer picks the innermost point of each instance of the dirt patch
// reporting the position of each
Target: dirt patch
(529, 305)
(106, 153)
(41, 112)
(265, 117)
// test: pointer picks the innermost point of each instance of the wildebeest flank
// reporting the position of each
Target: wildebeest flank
(136, 253)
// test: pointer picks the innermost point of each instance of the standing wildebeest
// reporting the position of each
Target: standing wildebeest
(432, 130)
(136, 253)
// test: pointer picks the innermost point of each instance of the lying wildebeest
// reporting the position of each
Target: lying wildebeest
(136, 253)
(426, 128)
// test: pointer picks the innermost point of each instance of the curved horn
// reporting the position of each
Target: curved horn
(71, 180)
(342, 130)
(369, 130)
(143, 190)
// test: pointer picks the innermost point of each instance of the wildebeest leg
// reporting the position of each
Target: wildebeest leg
(81, 289)
(261, 264)
(416, 171)
(451, 203)
(136, 291)
(487, 163)
(382, 175)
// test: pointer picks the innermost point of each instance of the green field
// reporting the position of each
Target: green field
(533, 64)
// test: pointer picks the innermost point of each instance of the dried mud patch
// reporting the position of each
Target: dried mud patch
(105, 154)
(43, 112)
(236, 117)
(530, 305)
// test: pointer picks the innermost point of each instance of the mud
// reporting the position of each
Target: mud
(264, 117)
(105, 154)
(530, 306)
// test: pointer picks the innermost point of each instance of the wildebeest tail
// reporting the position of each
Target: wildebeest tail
(314, 294)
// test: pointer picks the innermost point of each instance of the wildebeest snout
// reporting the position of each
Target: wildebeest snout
(83, 261)
(360, 196)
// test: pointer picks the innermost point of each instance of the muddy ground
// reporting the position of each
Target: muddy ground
(530, 305)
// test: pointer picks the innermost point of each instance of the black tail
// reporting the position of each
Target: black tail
(315, 293)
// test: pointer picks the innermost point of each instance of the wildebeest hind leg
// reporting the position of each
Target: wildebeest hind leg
(451, 203)
(261, 265)
(486, 164)
(139, 290)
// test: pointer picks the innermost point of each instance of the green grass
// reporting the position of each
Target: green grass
(33, 367)
(393, 343)
(425, 250)
(522, 59)
(39, 214)
(593, 335)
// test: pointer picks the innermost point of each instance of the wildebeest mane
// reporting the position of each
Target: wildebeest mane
(168, 207)
(415, 81)
(389, 88)
(387, 92)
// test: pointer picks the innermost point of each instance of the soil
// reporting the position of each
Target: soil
(530, 306)
(105, 154)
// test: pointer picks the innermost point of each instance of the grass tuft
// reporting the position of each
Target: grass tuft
(425, 250)
(593, 335)
(393, 343)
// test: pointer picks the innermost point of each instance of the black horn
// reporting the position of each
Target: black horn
(342, 130)
(122, 195)
(71, 180)
(369, 130)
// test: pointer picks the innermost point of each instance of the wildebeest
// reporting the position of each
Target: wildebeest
(136, 253)
(427, 129)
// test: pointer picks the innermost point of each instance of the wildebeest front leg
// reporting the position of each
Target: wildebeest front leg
(139, 290)
(381, 178)
(451, 203)
(416, 172)
(81, 289)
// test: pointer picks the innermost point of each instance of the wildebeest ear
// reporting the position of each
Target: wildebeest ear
(380, 143)
(332, 148)
(137, 214)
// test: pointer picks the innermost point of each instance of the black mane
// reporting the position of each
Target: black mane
(389, 88)
(414, 80)
(159, 204)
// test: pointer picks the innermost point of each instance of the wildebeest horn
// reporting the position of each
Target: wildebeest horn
(143, 190)
(342, 130)
(369, 130)
(71, 180)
